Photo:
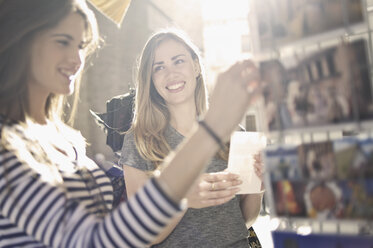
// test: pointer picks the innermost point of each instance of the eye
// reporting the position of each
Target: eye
(64, 43)
(179, 61)
(158, 68)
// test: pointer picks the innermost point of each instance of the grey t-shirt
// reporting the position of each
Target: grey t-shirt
(219, 226)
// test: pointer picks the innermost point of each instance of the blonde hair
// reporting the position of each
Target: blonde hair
(151, 115)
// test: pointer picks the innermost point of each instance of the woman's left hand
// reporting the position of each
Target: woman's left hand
(213, 189)
(259, 167)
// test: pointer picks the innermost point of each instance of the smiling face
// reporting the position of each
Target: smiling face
(174, 73)
(57, 57)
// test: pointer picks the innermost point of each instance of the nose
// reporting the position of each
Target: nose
(76, 58)
(170, 71)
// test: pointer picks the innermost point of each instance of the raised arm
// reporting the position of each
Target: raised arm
(33, 211)
(47, 214)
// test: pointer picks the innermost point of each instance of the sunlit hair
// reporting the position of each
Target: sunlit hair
(151, 113)
(20, 23)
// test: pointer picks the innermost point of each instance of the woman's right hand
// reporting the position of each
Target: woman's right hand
(234, 91)
(213, 189)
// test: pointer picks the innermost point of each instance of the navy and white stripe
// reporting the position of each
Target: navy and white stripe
(34, 213)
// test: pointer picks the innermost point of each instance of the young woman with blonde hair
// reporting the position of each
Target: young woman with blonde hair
(170, 97)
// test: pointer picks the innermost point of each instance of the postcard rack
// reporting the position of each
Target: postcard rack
(317, 109)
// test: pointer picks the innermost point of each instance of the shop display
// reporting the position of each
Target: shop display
(315, 65)
(284, 21)
(324, 180)
(326, 87)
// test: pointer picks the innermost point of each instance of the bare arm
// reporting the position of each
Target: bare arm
(250, 207)
(251, 203)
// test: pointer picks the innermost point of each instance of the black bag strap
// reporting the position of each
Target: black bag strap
(117, 119)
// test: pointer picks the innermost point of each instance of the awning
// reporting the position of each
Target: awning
(115, 10)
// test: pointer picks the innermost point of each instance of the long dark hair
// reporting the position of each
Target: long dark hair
(20, 22)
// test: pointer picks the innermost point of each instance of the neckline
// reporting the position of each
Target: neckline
(175, 131)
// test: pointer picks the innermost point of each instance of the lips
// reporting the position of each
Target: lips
(176, 86)
(69, 74)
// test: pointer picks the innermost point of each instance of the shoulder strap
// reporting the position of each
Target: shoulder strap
(253, 239)
(117, 119)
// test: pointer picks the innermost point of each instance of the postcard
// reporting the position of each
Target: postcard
(282, 163)
(243, 146)
(317, 160)
(354, 158)
(288, 198)
(323, 200)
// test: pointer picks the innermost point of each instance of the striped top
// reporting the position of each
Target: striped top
(34, 213)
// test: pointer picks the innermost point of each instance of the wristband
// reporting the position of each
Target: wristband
(212, 134)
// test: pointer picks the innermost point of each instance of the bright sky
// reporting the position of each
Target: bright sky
(225, 23)
(222, 9)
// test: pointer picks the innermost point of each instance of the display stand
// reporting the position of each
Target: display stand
(319, 117)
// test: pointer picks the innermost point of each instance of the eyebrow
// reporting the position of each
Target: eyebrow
(173, 58)
(63, 35)
(69, 37)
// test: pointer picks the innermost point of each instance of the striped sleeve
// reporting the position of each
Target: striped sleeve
(45, 214)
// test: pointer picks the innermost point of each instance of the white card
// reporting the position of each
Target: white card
(242, 148)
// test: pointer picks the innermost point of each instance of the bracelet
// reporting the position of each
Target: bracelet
(212, 134)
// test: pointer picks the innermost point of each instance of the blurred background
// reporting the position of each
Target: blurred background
(220, 30)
